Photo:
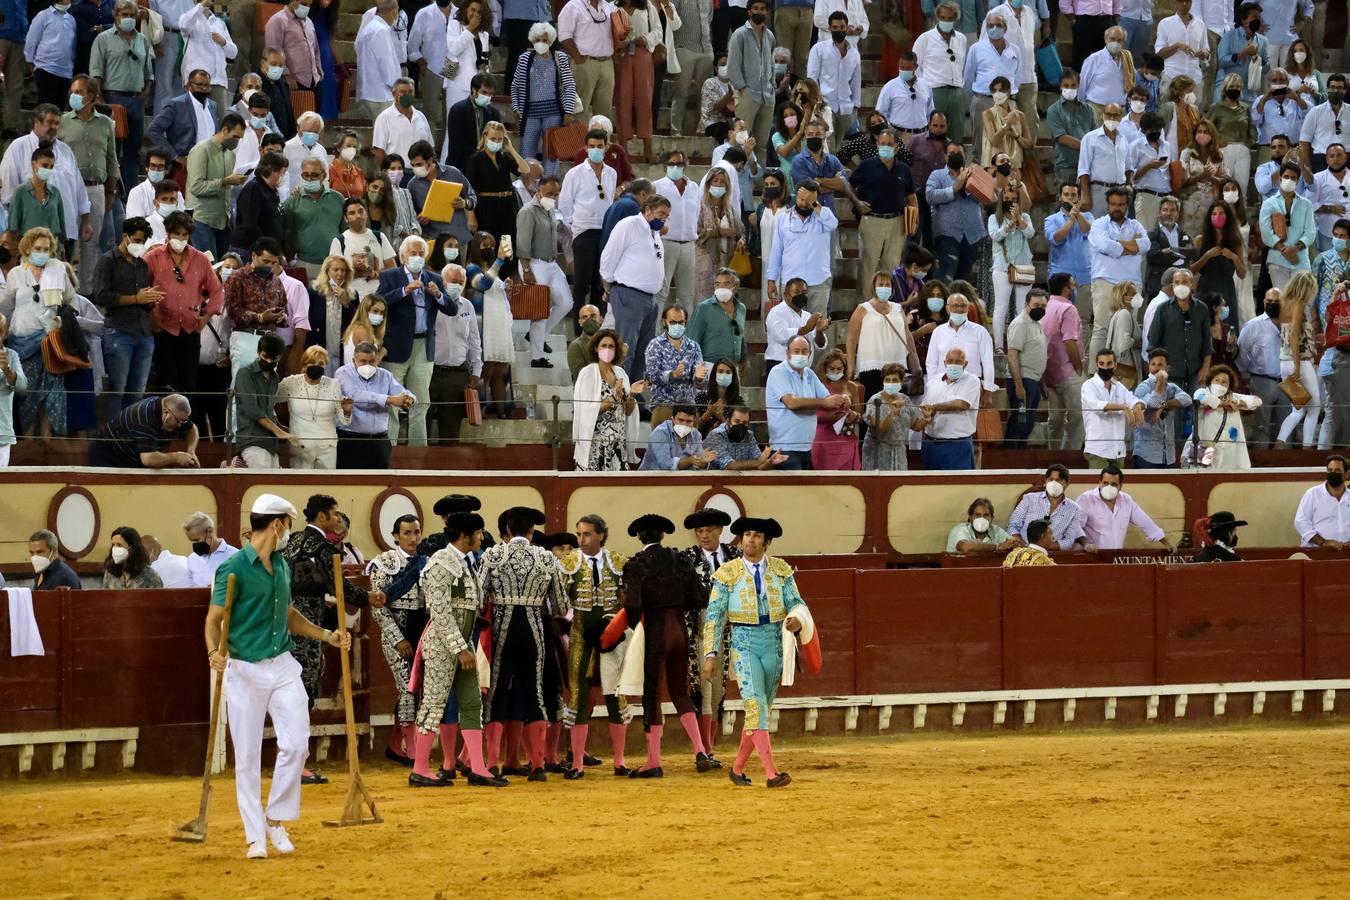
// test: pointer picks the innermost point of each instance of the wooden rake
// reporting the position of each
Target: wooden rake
(353, 809)
(194, 832)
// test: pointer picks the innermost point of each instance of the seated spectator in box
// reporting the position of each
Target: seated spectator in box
(735, 445)
(1063, 513)
(139, 436)
(208, 550)
(979, 533)
(675, 444)
(170, 567)
(1106, 513)
(53, 573)
(126, 566)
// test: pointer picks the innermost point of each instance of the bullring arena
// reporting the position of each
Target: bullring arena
(1120, 725)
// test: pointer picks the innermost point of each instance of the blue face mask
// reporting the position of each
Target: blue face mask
(493, 146)
(834, 376)
(656, 224)
(935, 304)
(676, 331)
(259, 123)
(39, 258)
(946, 27)
(780, 69)
(76, 102)
(274, 73)
(724, 379)
(958, 319)
(996, 31)
(674, 173)
(482, 99)
(154, 177)
(954, 371)
(309, 138)
(886, 152)
(906, 75)
(311, 187)
(127, 24)
(1339, 244)
(595, 154)
(892, 387)
(884, 292)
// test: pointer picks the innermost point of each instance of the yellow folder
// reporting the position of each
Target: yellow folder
(440, 204)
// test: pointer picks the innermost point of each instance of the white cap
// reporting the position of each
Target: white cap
(272, 505)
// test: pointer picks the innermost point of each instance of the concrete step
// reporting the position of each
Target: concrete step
(523, 373)
(502, 432)
(543, 405)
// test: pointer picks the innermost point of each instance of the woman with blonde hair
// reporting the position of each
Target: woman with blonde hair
(34, 294)
(719, 231)
(1202, 163)
(604, 409)
(317, 408)
(492, 171)
(367, 324)
(1122, 332)
(1298, 349)
(1232, 120)
(330, 316)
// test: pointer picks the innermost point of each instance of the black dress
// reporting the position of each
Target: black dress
(497, 198)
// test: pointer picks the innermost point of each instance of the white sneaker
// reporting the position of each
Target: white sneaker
(280, 839)
(257, 850)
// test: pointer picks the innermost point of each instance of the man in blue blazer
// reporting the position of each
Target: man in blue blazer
(413, 296)
(177, 125)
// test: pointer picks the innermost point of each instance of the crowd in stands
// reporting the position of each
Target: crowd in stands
(214, 230)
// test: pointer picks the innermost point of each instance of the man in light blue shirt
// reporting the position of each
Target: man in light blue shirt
(989, 57)
(1278, 111)
(1066, 231)
(801, 248)
(364, 444)
(1103, 160)
(1239, 47)
(50, 50)
(792, 395)
(1136, 17)
(1267, 175)
(1155, 440)
(1288, 254)
(675, 445)
(1280, 17)
(1119, 245)
(958, 221)
(1258, 360)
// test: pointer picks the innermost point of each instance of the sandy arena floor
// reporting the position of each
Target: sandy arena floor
(1239, 812)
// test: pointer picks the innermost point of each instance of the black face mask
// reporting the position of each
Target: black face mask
(1106, 374)
(1037, 314)
(1273, 310)
(737, 432)
(1254, 25)
(956, 160)
(1339, 168)
(1004, 169)
(758, 18)
(314, 372)
(798, 300)
(1335, 479)
(815, 144)
(1279, 90)
(5, 256)
(201, 548)
(202, 96)
(266, 365)
(264, 274)
(773, 193)
(1233, 93)
(838, 36)
(804, 211)
(878, 128)
(1153, 136)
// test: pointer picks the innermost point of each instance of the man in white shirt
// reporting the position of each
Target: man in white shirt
(631, 268)
(1323, 516)
(585, 34)
(401, 125)
(855, 12)
(1108, 407)
(170, 567)
(681, 231)
(17, 167)
(1119, 245)
(377, 66)
(790, 319)
(1331, 193)
(307, 144)
(974, 341)
(588, 191)
(1183, 44)
(942, 61)
(950, 406)
(141, 198)
(906, 101)
(458, 362)
(834, 64)
(208, 551)
(367, 252)
(208, 47)
(1324, 123)
(427, 45)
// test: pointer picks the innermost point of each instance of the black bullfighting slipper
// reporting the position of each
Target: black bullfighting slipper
(716, 763)
(422, 781)
(398, 758)
(556, 768)
(538, 775)
(703, 762)
(591, 760)
(647, 773)
(480, 781)
(515, 770)
(741, 780)
(575, 774)
(447, 774)
(622, 771)
(782, 779)
(313, 778)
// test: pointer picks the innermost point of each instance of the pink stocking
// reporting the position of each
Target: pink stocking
(743, 753)
(618, 737)
(422, 751)
(761, 740)
(654, 747)
(448, 735)
(535, 733)
(473, 746)
(554, 734)
(707, 725)
(511, 753)
(493, 735)
(579, 733)
(690, 723)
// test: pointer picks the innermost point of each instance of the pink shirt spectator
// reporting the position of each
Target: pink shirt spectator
(1090, 7)
(1061, 323)
(1106, 527)
(188, 301)
(297, 307)
(588, 24)
(296, 40)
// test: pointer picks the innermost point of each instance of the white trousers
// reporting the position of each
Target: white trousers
(1004, 291)
(679, 263)
(258, 458)
(1311, 410)
(560, 303)
(4, 455)
(255, 691)
(314, 455)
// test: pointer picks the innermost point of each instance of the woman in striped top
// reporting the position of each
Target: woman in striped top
(543, 92)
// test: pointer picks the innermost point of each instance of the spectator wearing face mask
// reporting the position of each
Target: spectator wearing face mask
(255, 390)
(950, 404)
(1155, 445)
(675, 445)
(736, 448)
(208, 550)
(192, 296)
(791, 319)
(537, 249)
(835, 65)
(1241, 47)
(1066, 530)
(127, 567)
(980, 534)
(578, 351)
(1288, 228)
(459, 359)
(1323, 516)
(125, 290)
(1219, 439)
(793, 395)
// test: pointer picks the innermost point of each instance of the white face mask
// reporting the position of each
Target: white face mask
(548, 203)
(421, 171)
(1137, 301)
(348, 153)
(1069, 93)
(376, 318)
(136, 250)
(980, 525)
(1287, 185)
(367, 371)
(1054, 489)
(799, 360)
(1230, 197)
(178, 244)
(120, 554)
(1138, 106)
(1181, 291)
(1300, 57)
(1110, 124)
(1000, 97)
(1109, 492)
(684, 430)
(722, 72)
(724, 295)
(1219, 390)
(541, 48)
(40, 563)
(1113, 47)
(1189, 99)
(742, 136)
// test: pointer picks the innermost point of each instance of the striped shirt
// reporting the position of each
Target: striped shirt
(139, 429)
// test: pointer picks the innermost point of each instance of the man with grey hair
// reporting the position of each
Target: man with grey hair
(400, 124)
(51, 571)
(208, 550)
(992, 55)
(123, 61)
(528, 181)
(139, 436)
(414, 297)
(459, 359)
(718, 323)
(377, 63)
(307, 144)
(1167, 284)
(364, 444)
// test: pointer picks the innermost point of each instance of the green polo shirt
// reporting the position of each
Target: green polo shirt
(126, 67)
(314, 223)
(94, 143)
(1075, 120)
(718, 336)
(258, 629)
(207, 198)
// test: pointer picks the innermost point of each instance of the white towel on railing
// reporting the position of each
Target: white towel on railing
(24, 638)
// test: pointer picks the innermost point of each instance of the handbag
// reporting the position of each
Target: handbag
(1292, 388)
(56, 359)
(980, 185)
(1022, 274)
(1047, 60)
(473, 410)
(564, 141)
(620, 26)
(1176, 175)
(528, 301)
(740, 261)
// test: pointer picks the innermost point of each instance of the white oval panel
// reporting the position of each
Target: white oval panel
(75, 522)
(394, 505)
(727, 504)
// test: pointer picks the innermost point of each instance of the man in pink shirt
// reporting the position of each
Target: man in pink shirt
(1062, 383)
(291, 32)
(1090, 20)
(192, 295)
(1106, 513)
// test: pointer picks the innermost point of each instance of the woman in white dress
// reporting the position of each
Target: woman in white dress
(466, 42)
(499, 349)
(36, 289)
(1223, 440)
(317, 408)
(604, 409)
(878, 336)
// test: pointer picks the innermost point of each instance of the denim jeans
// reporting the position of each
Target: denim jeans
(127, 358)
(1021, 422)
(215, 241)
(955, 257)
